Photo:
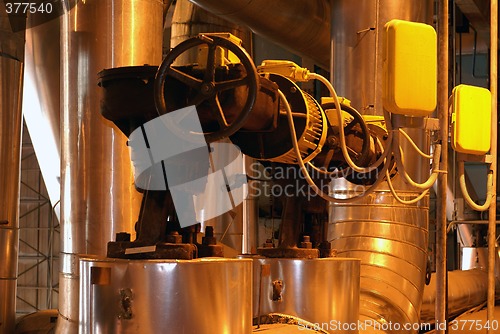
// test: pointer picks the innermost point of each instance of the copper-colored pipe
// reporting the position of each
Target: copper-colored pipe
(493, 168)
(302, 26)
(11, 83)
(441, 271)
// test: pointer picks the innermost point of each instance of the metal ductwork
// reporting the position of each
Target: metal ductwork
(390, 238)
(11, 82)
(302, 26)
(97, 198)
(466, 290)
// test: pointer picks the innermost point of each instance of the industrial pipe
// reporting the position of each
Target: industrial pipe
(302, 26)
(97, 198)
(493, 152)
(466, 290)
(11, 82)
(441, 221)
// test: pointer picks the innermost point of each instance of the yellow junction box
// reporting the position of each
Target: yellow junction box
(410, 68)
(471, 119)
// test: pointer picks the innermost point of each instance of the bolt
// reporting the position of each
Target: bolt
(293, 89)
(174, 238)
(306, 242)
(123, 237)
(268, 244)
(209, 238)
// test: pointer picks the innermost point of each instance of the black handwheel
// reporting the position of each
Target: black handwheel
(208, 88)
(362, 157)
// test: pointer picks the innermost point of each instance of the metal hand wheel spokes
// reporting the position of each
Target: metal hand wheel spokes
(351, 128)
(208, 89)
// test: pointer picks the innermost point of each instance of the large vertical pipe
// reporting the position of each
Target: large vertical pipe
(302, 26)
(98, 198)
(494, 128)
(11, 74)
(390, 238)
(441, 221)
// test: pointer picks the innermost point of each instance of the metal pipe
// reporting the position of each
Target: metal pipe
(302, 26)
(441, 221)
(11, 82)
(493, 168)
(466, 290)
(390, 238)
(97, 197)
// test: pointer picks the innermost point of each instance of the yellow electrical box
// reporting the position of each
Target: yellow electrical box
(410, 68)
(471, 119)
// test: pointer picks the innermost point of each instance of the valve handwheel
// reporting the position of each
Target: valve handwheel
(356, 127)
(208, 88)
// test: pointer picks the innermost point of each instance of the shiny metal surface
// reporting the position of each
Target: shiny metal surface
(357, 40)
(8, 290)
(43, 63)
(302, 26)
(190, 20)
(97, 196)
(466, 289)
(316, 290)
(391, 240)
(158, 296)
(11, 81)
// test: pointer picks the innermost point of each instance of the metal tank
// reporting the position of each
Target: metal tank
(203, 296)
(389, 238)
(303, 288)
(302, 26)
(11, 82)
(97, 194)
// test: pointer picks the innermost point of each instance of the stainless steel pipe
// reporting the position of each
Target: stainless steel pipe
(97, 194)
(466, 290)
(302, 26)
(11, 83)
(391, 240)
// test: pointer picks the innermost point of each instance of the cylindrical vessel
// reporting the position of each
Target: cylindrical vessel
(466, 290)
(295, 287)
(357, 33)
(11, 83)
(391, 240)
(302, 26)
(201, 296)
(97, 194)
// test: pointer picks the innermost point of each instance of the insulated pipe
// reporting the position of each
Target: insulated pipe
(11, 82)
(493, 168)
(390, 238)
(302, 26)
(466, 290)
(441, 221)
(97, 194)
